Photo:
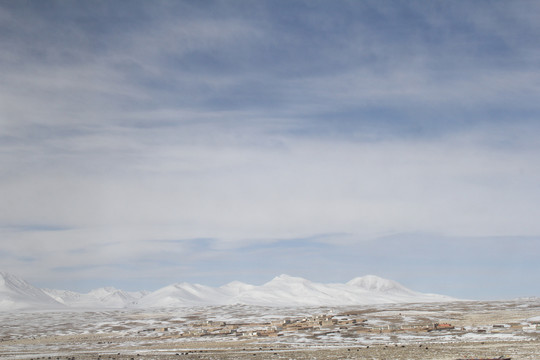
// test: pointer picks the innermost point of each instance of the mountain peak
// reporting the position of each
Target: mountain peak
(376, 283)
(284, 278)
(283, 290)
(103, 291)
(8, 279)
(236, 285)
(16, 293)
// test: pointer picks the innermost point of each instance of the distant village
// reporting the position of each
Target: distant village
(344, 324)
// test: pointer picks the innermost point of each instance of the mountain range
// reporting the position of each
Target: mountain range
(283, 290)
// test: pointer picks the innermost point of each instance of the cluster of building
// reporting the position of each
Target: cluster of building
(326, 324)
(258, 329)
(281, 327)
(271, 329)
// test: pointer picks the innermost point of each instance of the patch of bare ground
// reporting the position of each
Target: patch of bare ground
(103, 347)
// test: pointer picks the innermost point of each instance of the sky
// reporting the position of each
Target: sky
(144, 143)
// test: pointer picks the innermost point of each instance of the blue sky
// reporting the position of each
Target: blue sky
(146, 143)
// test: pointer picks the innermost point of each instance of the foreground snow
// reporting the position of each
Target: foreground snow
(283, 290)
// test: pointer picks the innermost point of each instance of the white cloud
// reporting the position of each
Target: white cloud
(308, 186)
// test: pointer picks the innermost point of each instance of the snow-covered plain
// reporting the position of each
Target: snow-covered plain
(283, 290)
(27, 334)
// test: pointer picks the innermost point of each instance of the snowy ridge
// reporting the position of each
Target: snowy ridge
(283, 290)
(107, 297)
(287, 290)
(183, 294)
(17, 294)
(380, 285)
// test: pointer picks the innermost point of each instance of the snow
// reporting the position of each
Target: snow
(106, 297)
(17, 294)
(236, 288)
(378, 284)
(183, 294)
(283, 290)
(41, 334)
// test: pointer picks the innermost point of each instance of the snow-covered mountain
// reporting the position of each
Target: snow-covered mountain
(375, 283)
(17, 294)
(283, 290)
(287, 290)
(184, 294)
(106, 297)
